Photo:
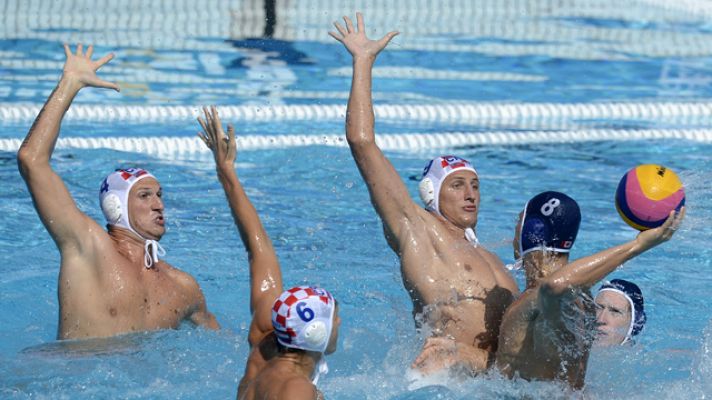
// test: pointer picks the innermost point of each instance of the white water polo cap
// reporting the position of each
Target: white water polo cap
(114, 199)
(431, 182)
(303, 318)
(434, 175)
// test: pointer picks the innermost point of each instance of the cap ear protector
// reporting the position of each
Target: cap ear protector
(111, 206)
(427, 192)
(315, 333)
(303, 318)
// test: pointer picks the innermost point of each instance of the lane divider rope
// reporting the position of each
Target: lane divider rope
(177, 146)
(681, 112)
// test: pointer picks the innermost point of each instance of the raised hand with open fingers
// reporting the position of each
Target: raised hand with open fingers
(82, 69)
(223, 146)
(356, 41)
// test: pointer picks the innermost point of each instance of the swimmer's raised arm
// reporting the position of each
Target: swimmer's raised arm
(69, 227)
(586, 272)
(389, 194)
(265, 274)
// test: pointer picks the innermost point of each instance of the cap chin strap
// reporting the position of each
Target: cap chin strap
(517, 265)
(471, 237)
(152, 249)
(321, 368)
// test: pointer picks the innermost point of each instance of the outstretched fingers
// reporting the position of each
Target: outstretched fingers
(336, 36)
(205, 134)
(231, 142)
(209, 126)
(383, 42)
(98, 64)
(202, 136)
(216, 118)
(359, 22)
(341, 30)
(106, 84)
(230, 134)
(349, 25)
(103, 60)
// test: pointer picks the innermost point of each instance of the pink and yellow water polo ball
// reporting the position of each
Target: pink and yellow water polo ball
(646, 195)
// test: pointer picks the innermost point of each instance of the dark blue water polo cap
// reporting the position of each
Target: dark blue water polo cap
(550, 222)
(632, 293)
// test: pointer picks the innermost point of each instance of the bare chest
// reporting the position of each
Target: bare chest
(155, 295)
(450, 274)
(117, 297)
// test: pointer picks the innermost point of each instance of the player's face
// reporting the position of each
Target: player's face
(613, 315)
(460, 198)
(146, 209)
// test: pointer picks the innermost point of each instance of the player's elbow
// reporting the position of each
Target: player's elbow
(358, 139)
(25, 161)
(212, 323)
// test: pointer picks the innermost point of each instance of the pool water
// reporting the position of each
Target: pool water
(312, 200)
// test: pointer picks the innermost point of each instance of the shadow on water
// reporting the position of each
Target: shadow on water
(111, 346)
(278, 49)
(275, 49)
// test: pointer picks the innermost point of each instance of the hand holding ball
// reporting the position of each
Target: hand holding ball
(646, 194)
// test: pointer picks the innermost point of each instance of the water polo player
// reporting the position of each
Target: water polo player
(620, 312)
(291, 330)
(544, 333)
(446, 272)
(109, 282)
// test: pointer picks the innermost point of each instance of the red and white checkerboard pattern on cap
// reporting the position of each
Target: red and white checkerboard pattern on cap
(303, 317)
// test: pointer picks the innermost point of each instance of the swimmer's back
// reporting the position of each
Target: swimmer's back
(264, 379)
(260, 354)
(539, 349)
(280, 384)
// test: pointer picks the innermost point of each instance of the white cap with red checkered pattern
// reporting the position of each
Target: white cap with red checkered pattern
(303, 317)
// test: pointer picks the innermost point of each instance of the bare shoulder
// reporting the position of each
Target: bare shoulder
(298, 388)
(93, 239)
(416, 219)
(183, 280)
(92, 253)
(423, 224)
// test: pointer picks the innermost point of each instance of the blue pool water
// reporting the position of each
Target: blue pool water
(312, 200)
